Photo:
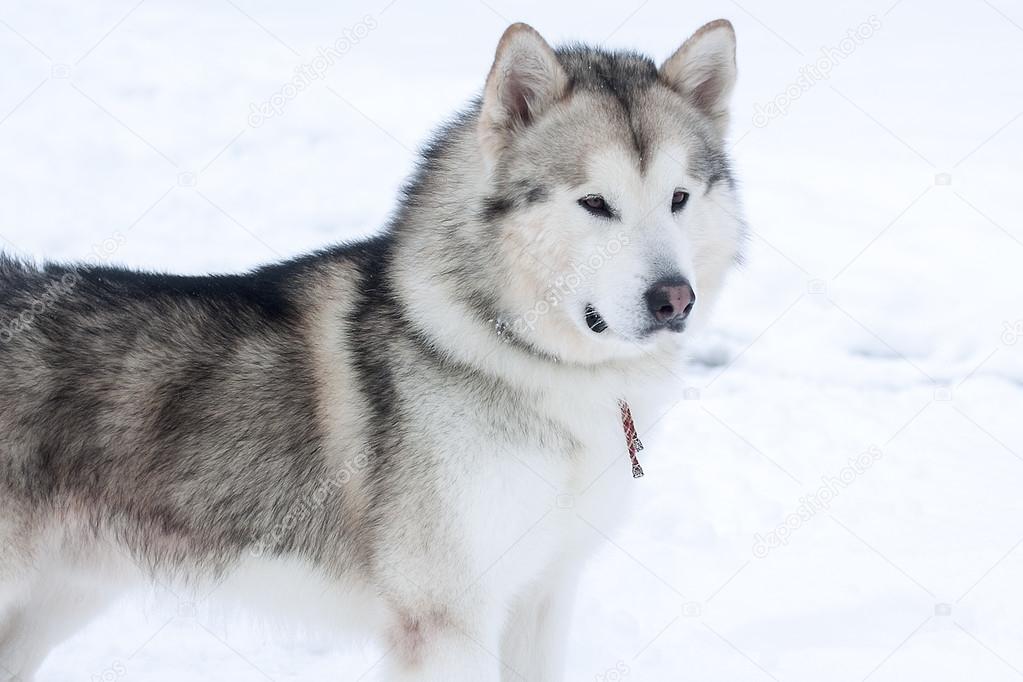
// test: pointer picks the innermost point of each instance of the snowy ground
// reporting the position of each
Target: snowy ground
(880, 315)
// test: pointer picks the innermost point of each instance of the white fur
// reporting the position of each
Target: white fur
(483, 592)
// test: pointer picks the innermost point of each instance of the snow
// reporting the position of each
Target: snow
(881, 310)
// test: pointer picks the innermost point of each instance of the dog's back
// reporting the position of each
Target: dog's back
(148, 409)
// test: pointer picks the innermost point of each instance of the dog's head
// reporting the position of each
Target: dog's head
(609, 191)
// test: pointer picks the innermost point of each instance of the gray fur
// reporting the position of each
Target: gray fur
(182, 421)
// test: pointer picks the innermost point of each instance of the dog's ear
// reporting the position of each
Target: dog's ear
(703, 70)
(525, 80)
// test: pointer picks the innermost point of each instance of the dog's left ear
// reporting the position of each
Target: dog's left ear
(525, 80)
(703, 70)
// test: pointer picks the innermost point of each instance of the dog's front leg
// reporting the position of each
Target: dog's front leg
(533, 644)
(434, 646)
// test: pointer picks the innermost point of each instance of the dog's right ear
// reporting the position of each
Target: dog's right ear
(525, 80)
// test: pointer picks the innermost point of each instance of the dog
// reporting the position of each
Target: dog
(389, 426)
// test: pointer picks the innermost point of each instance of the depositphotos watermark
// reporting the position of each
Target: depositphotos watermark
(817, 502)
(313, 70)
(304, 509)
(566, 285)
(56, 290)
(113, 672)
(815, 72)
(618, 673)
(1012, 332)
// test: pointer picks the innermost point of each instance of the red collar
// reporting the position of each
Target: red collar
(631, 438)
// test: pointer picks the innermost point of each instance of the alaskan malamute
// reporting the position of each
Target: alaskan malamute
(422, 430)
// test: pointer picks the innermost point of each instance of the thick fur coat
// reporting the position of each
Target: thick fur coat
(400, 422)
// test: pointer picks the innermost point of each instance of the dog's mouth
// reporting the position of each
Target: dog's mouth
(594, 321)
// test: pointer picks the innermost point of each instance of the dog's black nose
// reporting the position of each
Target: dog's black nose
(670, 299)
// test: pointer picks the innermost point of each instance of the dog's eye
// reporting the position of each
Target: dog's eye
(595, 204)
(678, 200)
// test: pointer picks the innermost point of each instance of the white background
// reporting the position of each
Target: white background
(882, 305)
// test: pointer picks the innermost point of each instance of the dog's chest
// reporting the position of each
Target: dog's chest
(538, 510)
